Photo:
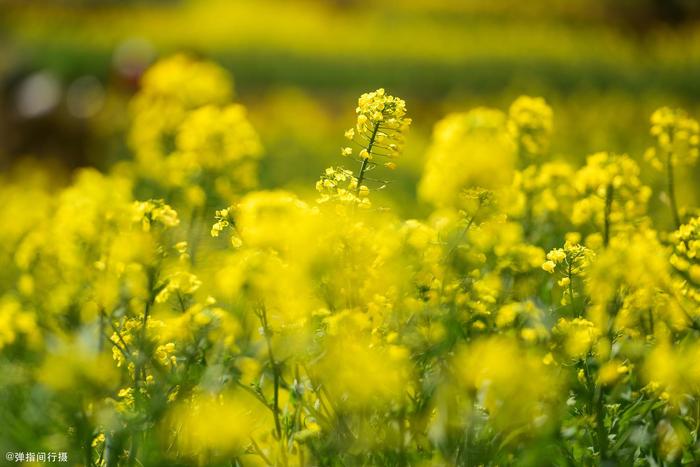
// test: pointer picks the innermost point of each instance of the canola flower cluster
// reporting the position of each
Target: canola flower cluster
(188, 136)
(168, 313)
(378, 134)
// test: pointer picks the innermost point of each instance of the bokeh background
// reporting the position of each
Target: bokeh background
(68, 68)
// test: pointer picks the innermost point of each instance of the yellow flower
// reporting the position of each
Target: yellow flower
(685, 259)
(98, 440)
(530, 123)
(513, 384)
(610, 372)
(677, 138)
(215, 137)
(577, 336)
(154, 212)
(615, 176)
(557, 255)
(470, 149)
(381, 125)
(236, 241)
(209, 428)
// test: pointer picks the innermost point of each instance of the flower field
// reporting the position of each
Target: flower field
(316, 274)
(166, 312)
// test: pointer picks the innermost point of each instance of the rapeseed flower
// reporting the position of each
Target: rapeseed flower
(530, 303)
(530, 122)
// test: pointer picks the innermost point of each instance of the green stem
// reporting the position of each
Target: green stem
(609, 194)
(260, 452)
(596, 409)
(193, 233)
(140, 369)
(112, 448)
(100, 338)
(275, 373)
(402, 436)
(132, 450)
(571, 289)
(600, 424)
(365, 162)
(461, 235)
(697, 418)
(672, 189)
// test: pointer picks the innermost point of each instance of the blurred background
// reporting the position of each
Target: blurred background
(68, 68)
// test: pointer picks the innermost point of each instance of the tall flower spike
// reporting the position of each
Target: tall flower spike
(677, 135)
(530, 123)
(379, 132)
(677, 143)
